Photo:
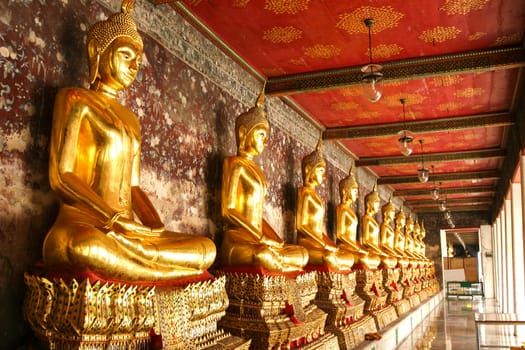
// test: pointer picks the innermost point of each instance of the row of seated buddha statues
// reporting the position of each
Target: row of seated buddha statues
(112, 276)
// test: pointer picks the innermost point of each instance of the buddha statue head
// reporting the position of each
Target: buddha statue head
(252, 129)
(388, 210)
(372, 201)
(400, 220)
(349, 188)
(417, 230)
(314, 166)
(103, 34)
(423, 231)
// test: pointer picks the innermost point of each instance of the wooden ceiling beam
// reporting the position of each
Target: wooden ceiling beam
(416, 68)
(477, 175)
(420, 126)
(431, 157)
(448, 190)
(451, 202)
(480, 208)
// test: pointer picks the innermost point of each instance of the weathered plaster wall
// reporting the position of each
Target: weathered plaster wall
(186, 96)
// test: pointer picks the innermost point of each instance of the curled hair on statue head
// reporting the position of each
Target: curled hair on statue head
(249, 120)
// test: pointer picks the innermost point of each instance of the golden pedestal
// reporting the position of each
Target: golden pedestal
(276, 311)
(370, 288)
(116, 315)
(336, 296)
(394, 288)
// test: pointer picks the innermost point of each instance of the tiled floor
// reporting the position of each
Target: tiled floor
(450, 326)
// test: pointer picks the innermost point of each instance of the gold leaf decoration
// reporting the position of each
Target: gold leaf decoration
(509, 39)
(396, 83)
(272, 72)
(344, 106)
(278, 35)
(447, 80)
(297, 61)
(451, 106)
(368, 115)
(469, 92)
(476, 36)
(439, 34)
(385, 51)
(240, 3)
(290, 7)
(462, 7)
(410, 99)
(322, 51)
(351, 92)
(384, 17)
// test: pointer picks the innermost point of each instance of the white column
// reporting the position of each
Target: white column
(486, 249)
(509, 263)
(517, 249)
(497, 258)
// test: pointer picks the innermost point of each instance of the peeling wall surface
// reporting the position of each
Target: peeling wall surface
(187, 96)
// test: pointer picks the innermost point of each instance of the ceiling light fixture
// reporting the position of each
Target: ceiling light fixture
(422, 173)
(405, 136)
(372, 77)
(443, 204)
(434, 192)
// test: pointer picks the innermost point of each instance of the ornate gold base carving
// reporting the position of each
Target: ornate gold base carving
(336, 297)
(353, 334)
(370, 289)
(384, 316)
(414, 300)
(89, 316)
(402, 306)
(186, 318)
(123, 316)
(276, 312)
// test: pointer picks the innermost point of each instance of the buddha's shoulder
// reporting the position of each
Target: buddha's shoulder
(77, 95)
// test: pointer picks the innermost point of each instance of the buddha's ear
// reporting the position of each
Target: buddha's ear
(242, 137)
(94, 59)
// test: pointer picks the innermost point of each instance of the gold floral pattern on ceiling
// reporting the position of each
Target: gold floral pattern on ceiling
(272, 72)
(393, 100)
(448, 80)
(368, 115)
(282, 35)
(322, 51)
(509, 39)
(384, 17)
(290, 7)
(439, 34)
(351, 91)
(297, 61)
(344, 106)
(469, 92)
(450, 106)
(462, 7)
(240, 3)
(385, 51)
(476, 36)
(396, 83)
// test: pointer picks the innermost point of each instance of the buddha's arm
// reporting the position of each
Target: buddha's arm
(69, 113)
(230, 198)
(303, 217)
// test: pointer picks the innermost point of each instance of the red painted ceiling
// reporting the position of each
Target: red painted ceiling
(295, 39)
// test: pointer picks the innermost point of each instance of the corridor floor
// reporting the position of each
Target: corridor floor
(450, 326)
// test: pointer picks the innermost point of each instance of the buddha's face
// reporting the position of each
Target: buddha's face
(400, 222)
(354, 193)
(256, 140)
(318, 175)
(119, 63)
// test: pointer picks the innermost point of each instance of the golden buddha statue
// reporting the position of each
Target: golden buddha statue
(371, 228)
(416, 234)
(387, 234)
(409, 238)
(94, 168)
(249, 240)
(322, 250)
(399, 238)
